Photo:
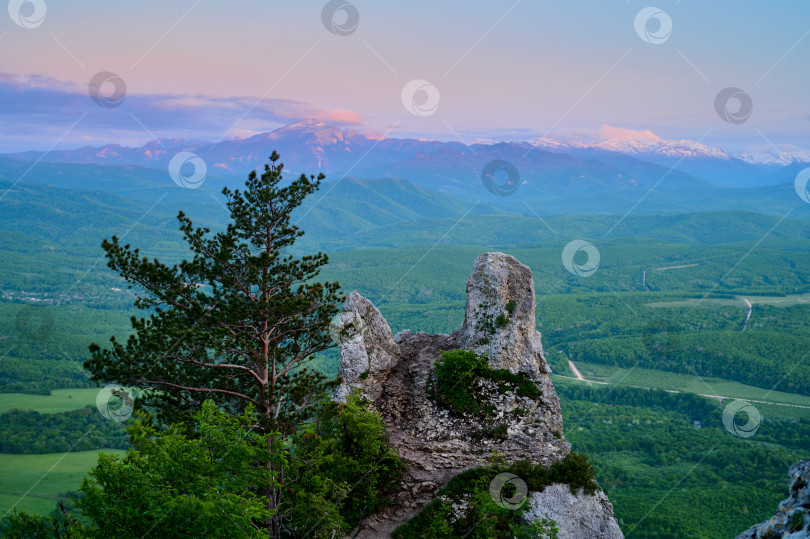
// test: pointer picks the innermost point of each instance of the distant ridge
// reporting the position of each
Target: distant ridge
(620, 159)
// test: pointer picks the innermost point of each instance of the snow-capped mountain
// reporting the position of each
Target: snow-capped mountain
(776, 158)
(641, 143)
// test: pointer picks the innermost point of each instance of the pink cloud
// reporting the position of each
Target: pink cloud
(609, 132)
(341, 116)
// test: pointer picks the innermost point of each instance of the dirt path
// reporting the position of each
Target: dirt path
(719, 397)
(676, 267)
(576, 371)
(750, 308)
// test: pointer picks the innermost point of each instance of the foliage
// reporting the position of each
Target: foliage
(482, 517)
(24, 432)
(198, 485)
(198, 480)
(234, 326)
(796, 521)
(645, 330)
(668, 479)
(209, 478)
(343, 471)
(40, 377)
(690, 405)
(457, 373)
(643, 444)
(237, 321)
(26, 526)
(539, 529)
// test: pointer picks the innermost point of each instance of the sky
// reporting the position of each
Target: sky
(451, 70)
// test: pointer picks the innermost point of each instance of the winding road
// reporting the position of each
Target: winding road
(719, 397)
(750, 307)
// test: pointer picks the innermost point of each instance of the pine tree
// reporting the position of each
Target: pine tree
(234, 324)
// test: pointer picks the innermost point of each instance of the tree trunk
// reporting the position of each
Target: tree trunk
(273, 495)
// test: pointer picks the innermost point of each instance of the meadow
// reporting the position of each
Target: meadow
(60, 400)
(36, 483)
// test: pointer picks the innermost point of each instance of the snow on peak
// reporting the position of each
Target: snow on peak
(776, 158)
(628, 141)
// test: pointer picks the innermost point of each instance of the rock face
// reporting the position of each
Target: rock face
(792, 519)
(499, 317)
(396, 372)
(557, 503)
(367, 348)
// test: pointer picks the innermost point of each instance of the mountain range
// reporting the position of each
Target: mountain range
(317, 145)
(621, 171)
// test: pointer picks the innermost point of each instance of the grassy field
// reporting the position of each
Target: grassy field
(34, 482)
(774, 301)
(649, 378)
(60, 400)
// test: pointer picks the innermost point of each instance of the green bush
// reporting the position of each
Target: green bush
(209, 479)
(343, 466)
(483, 518)
(796, 521)
(455, 388)
(456, 371)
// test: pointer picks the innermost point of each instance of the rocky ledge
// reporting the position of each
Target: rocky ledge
(395, 374)
(792, 519)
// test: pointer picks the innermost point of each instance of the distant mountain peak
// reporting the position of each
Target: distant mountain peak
(314, 132)
(781, 158)
(631, 142)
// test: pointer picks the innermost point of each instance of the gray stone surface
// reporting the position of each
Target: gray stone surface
(792, 519)
(496, 280)
(367, 347)
(578, 516)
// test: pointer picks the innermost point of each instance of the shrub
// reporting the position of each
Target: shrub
(796, 521)
(456, 371)
(483, 518)
(455, 389)
(344, 467)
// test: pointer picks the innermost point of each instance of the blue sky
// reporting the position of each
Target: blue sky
(507, 69)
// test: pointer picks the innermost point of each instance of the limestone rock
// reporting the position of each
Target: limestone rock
(396, 372)
(792, 519)
(367, 347)
(578, 516)
(499, 318)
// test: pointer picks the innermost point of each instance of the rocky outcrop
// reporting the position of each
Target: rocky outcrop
(395, 374)
(576, 515)
(499, 319)
(792, 519)
(367, 348)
